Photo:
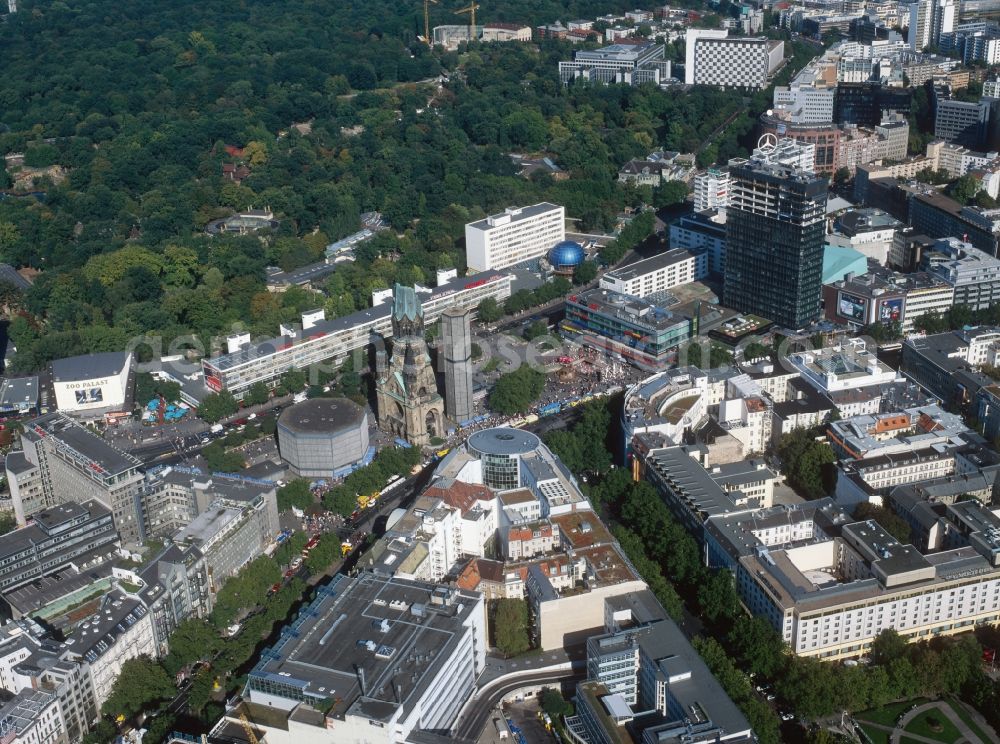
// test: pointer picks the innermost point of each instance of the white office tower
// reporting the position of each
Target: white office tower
(514, 236)
(711, 190)
(928, 20)
(711, 57)
(921, 16)
(945, 12)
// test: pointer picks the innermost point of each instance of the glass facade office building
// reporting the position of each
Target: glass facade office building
(774, 242)
(638, 330)
(500, 451)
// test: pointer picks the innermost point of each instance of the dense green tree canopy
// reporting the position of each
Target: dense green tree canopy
(327, 111)
(516, 391)
(296, 493)
(141, 684)
(584, 446)
(807, 462)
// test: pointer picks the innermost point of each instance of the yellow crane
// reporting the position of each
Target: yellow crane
(471, 10)
(427, 21)
(251, 736)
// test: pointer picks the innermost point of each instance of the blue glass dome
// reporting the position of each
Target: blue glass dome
(566, 255)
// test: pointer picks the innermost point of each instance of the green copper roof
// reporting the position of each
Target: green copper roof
(405, 303)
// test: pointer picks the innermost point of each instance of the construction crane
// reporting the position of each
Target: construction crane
(471, 10)
(427, 21)
(251, 736)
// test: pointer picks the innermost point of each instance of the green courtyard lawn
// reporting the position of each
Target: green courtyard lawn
(964, 714)
(884, 716)
(934, 724)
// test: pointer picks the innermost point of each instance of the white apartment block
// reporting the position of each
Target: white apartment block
(928, 20)
(957, 160)
(528, 540)
(32, 717)
(740, 62)
(806, 103)
(854, 70)
(893, 139)
(831, 597)
(506, 32)
(934, 298)
(658, 273)
(514, 236)
(711, 190)
(122, 631)
(703, 233)
(984, 346)
(991, 88)
(870, 480)
(846, 366)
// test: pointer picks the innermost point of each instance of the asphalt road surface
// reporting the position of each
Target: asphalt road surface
(479, 714)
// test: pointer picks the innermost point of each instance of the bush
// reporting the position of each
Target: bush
(510, 626)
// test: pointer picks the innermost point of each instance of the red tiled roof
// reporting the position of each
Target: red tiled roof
(479, 570)
(459, 495)
(516, 533)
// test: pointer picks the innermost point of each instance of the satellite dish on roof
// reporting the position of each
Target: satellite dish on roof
(768, 142)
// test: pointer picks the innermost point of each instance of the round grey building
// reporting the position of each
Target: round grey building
(500, 450)
(318, 436)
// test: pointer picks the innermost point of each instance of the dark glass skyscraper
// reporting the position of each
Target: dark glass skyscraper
(774, 242)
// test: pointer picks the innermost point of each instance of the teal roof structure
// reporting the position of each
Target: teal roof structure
(839, 261)
(405, 303)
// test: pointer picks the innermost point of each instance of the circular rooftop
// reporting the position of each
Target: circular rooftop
(566, 255)
(321, 416)
(504, 441)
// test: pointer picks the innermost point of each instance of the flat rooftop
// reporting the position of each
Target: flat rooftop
(89, 446)
(516, 215)
(229, 486)
(691, 482)
(647, 265)
(95, 637)
(393, 629)
(503, 441)
(321, 416)
(912, 428)
(302, 275)
(581, 529)
(609, 565)
(38, 531)
(48, 589)
(641, 313)
(616, 52)
(89, 366)
(18, 392)
(208, 524)
(857, 221)
(225, 362)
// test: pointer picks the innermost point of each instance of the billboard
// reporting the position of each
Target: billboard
(89, 396)
(852, 307)
(890, 311)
